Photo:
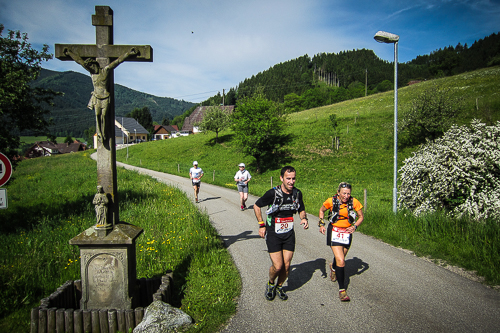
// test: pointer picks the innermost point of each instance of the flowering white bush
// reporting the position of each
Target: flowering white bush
(459, 172)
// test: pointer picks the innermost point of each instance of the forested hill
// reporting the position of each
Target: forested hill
(351, 69)
(71, 115)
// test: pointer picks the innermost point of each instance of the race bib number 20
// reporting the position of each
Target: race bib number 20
(283, 224)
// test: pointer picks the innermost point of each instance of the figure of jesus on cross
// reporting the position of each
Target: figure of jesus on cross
(100, 60)
(99, 101)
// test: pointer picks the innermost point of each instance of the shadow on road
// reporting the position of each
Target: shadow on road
(206, 199)
(354, 266)
(301, 273)
(245, 235)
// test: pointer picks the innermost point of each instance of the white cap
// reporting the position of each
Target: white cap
(195, 163)
(241, 164)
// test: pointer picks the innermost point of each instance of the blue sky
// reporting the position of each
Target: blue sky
(201, 46)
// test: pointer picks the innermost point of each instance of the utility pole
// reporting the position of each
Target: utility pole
(366, 82)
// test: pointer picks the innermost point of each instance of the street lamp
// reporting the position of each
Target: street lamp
(135, 135)
(387, 37)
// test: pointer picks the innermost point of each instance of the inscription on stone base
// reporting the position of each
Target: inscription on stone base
(105, 281)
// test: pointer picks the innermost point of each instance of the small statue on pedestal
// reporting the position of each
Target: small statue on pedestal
(101, 208)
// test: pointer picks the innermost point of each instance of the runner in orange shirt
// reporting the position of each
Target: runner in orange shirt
(342, 223)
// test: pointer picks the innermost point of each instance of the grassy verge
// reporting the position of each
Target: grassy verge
(50, 203)
(460, 242)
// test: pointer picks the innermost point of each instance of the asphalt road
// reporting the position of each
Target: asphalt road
(391, 290)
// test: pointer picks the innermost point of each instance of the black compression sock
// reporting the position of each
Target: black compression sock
(340, 277)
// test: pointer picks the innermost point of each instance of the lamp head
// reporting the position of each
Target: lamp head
(386, 37)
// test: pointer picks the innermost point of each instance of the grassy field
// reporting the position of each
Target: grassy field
(50, 202)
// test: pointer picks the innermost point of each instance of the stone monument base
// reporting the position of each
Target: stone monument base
(61, 312)
(108, 267)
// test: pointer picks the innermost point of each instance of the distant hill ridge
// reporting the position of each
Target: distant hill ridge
(71, 115)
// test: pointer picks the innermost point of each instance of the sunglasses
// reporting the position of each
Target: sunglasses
(345, 185)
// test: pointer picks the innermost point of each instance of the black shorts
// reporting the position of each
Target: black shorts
(329, 238)
(196, 184)
(277, 244)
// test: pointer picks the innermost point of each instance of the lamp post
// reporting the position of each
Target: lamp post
(387, 37)
(135, 135)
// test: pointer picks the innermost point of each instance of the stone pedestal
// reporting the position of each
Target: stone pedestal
(108, 267)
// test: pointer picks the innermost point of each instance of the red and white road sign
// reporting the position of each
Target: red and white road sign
(5, 169)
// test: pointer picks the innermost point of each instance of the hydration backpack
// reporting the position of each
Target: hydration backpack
(278, 205)
(334, 212)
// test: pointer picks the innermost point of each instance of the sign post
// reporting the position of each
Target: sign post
(5, 173)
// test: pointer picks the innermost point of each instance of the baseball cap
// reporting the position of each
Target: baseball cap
(195, 163)
(241, 164)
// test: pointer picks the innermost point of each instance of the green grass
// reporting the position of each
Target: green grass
(365, 158)
(50, 202)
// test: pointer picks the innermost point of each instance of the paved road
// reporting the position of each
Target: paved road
(391, 290)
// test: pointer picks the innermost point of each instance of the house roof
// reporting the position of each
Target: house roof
(129, 124)
(198, 114)
(119, 132)
(168, 128)
(61, 148)
(65, 148)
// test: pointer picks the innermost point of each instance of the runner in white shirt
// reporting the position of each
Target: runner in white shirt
(242, 178)
(195, 174)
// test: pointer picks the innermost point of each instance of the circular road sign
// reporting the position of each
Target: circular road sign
(5, 169)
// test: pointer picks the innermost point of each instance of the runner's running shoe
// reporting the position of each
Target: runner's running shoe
(343, 296)
(333, 276)
(270, 291)
(242, 208)
(281, 293)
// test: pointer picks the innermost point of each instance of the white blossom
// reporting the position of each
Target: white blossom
(459, 172)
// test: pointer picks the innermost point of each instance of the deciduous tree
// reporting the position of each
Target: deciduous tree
(216, 119)
(258, 124)
(430, 115)
(21, 106)
(143, 117)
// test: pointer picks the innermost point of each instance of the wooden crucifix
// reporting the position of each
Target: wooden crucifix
(100, 60)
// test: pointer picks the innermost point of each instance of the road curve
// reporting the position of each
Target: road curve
(391, 290)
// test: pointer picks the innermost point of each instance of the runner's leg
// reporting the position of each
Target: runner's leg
(277, 265)
(242, 202)
(338, 252)
(287, 259)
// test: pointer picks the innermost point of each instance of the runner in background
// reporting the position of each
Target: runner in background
(242, 178)
(195, 174)
(342, 223)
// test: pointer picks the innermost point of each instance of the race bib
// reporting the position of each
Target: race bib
(339, 235)
(283, 224)
(196, 180)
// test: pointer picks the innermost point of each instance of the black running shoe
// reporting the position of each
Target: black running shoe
(270, 291)
(281, 293)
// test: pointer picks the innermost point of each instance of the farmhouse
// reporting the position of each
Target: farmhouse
(127, 130)
(191, 122)
(48, 148)
(162, 132)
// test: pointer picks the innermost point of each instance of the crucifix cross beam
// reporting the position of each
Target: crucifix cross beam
(100, 60)
(104, 48)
